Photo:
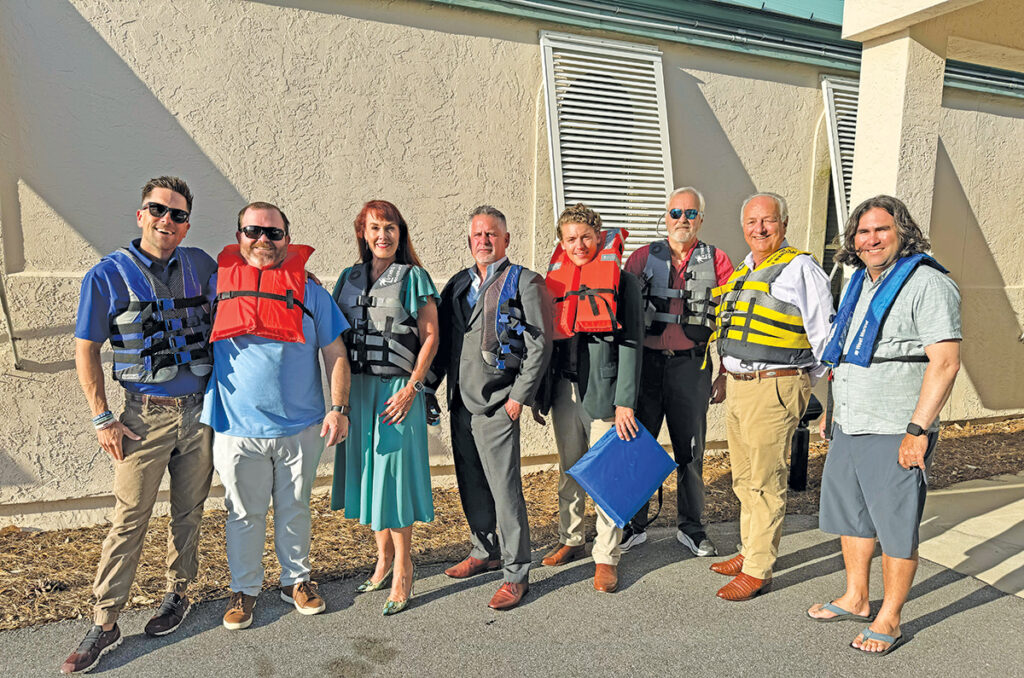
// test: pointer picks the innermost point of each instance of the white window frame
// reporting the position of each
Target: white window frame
(642, 65)
(841, 96)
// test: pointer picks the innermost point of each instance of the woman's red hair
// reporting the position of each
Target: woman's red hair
(384, 210)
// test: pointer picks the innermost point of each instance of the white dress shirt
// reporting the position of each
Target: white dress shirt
(804, 284)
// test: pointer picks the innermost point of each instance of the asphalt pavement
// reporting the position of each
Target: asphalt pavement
(665, 620)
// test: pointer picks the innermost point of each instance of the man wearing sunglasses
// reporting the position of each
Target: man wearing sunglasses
(150, 300)
(679, 273)
(265, 404)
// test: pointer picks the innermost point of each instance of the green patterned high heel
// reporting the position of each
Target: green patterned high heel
(395, 606)
(370, 585)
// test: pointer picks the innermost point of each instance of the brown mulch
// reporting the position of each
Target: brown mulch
(47, 576)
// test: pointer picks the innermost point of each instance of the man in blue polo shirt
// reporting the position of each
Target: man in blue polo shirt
(150, 300)
(265, 404)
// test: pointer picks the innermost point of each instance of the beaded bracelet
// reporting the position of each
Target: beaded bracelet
(103, 420)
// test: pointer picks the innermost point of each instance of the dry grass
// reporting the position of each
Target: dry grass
(47, 576)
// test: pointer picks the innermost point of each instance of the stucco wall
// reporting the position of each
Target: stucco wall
(321, 105)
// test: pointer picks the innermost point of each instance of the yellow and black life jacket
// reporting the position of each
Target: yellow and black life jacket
(754, 326)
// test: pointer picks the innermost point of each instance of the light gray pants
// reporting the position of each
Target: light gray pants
(575, 432)
(253, 470)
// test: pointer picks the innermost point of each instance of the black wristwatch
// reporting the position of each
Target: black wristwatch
(915, 430)
(417, 385)
(342, 409)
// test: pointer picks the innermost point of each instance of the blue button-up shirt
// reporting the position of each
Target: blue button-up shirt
(105, 294)
(474, 288)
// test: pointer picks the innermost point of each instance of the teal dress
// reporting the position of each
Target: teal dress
(382, 472)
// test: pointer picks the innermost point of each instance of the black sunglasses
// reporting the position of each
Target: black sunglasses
(690, 214)
(254, 232)
(158, 211)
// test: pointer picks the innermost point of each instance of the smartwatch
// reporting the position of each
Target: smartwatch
(915, 430)
(342, 409)
(417, 386)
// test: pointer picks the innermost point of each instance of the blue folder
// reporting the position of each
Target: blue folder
(620, 475)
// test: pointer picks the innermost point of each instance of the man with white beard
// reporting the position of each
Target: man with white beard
(679, 273)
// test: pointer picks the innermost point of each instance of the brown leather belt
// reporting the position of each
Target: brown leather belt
(166, 401)
(768, 374)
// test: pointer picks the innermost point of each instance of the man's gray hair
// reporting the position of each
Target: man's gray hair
(491, 212)
(686, 189)
(779, 201)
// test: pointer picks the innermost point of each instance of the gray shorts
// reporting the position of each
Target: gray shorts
(866, 493)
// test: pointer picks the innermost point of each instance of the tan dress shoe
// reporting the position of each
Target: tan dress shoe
(606, 578)
(508, 595)
(743, 587)
(562, 554)
(472, 566)
(729, 568)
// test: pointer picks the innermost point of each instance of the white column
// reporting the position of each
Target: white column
(898, 120)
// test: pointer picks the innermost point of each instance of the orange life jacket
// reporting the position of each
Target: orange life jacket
(263, 302)
(585, 295)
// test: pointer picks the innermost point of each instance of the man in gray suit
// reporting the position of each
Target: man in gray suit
(496, 329)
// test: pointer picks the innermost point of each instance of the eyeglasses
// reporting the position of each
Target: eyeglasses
(690, 214)
(254, 232)
(158, 211)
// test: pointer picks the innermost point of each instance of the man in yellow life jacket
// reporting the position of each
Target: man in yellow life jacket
(772, 325)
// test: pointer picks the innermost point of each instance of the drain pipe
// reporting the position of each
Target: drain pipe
(7, 319)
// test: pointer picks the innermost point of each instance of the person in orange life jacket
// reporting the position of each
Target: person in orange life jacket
(895, 348)
(596, 373)
(678, 275)
(265, 404)
(773, 321)
(495, 319)
(150, 300)
(382, 476)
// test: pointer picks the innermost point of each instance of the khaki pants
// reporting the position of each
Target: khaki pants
(761, 416)
(575, 432)
(172, 439)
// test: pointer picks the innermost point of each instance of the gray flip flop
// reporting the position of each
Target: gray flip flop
(840, 615)
(868, 634)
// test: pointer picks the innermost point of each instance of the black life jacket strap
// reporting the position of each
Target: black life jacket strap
(288, 298)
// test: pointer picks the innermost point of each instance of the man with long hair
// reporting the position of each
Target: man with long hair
(895, 348)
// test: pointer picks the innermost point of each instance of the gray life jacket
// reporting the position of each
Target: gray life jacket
(163, 326)
(501, 341)
(384, 339)
(698, 316)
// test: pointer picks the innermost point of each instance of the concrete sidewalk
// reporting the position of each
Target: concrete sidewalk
(665, 620)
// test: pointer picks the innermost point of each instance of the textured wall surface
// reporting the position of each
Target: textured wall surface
(319, 106)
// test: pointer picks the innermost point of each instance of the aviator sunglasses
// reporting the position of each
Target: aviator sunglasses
(690, 214)
(158, 211)
(254, 232)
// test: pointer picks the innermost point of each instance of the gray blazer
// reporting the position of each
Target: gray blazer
(483, 388)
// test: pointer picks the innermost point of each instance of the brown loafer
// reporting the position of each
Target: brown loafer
(743, 587)
(606, 578)
(729, 568)
(471, 566)
(508, 595)
(562, 554)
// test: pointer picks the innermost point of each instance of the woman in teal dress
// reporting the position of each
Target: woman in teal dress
(391, 304)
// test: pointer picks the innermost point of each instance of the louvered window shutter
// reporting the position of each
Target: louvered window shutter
(608, 130)
(841, 112)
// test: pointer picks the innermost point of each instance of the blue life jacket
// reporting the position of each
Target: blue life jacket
(501, 342)
(163, 326)
(863, 348)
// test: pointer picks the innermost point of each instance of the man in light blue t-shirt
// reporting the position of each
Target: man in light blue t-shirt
(265, 404)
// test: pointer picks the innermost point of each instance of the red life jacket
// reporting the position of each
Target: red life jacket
(263, 302)
(585, 295)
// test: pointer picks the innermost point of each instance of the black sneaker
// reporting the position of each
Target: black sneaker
(632, 536)
(698, 543)
(172, 611)
(96, 644)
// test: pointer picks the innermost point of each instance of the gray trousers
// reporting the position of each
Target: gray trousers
(491, 488)
(676, 390)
